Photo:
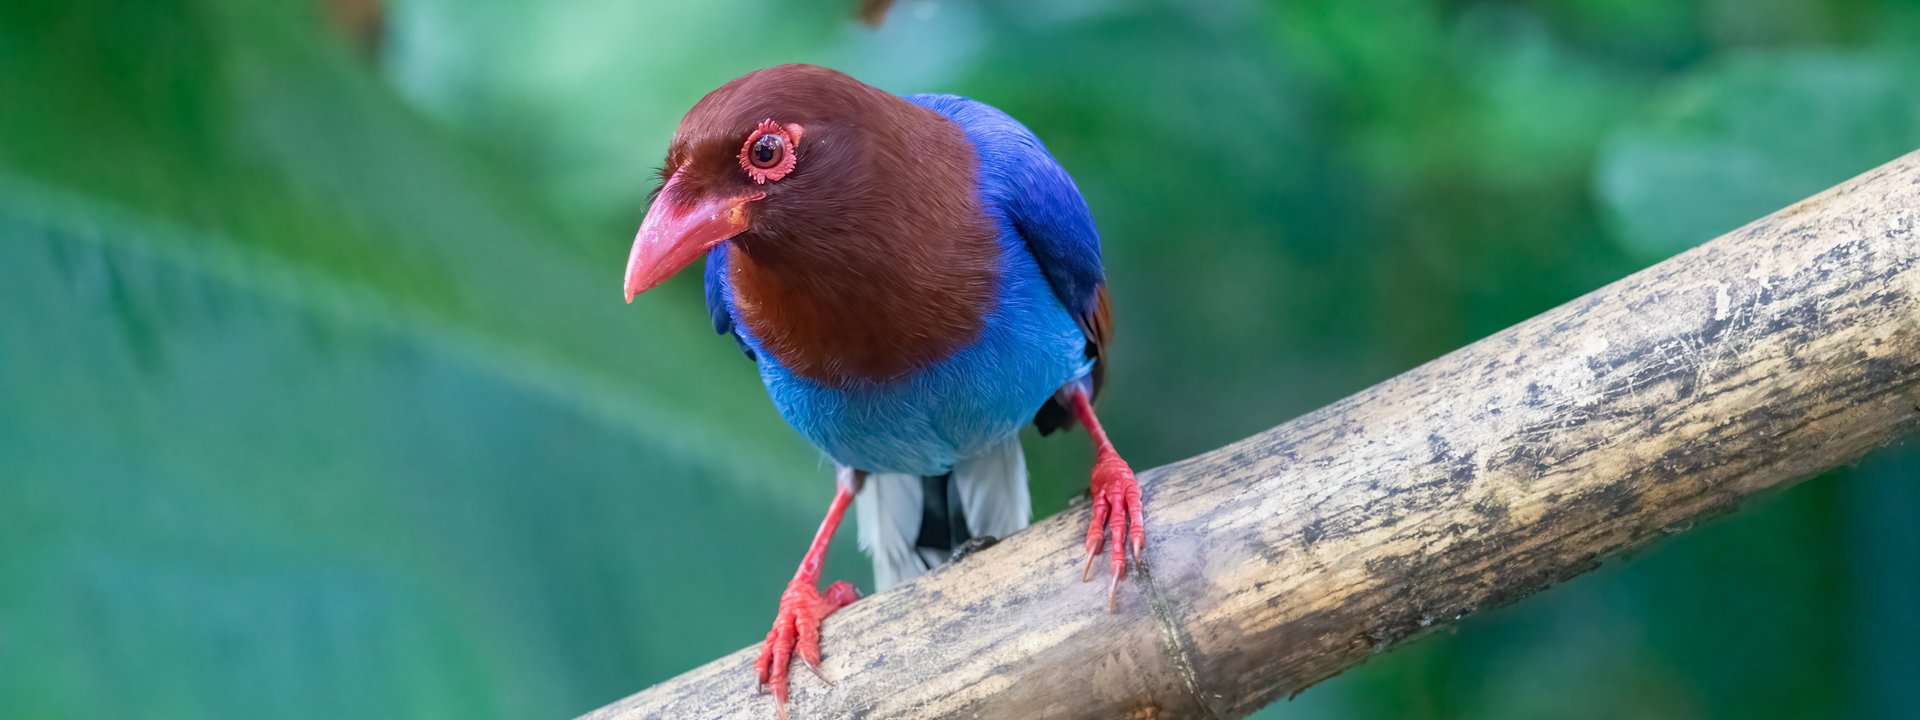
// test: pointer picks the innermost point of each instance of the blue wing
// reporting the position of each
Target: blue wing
(1020, 179)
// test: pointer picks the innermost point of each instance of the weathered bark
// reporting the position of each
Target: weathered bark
(1780, 350)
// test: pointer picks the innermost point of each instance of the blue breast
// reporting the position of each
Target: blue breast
(985, 392)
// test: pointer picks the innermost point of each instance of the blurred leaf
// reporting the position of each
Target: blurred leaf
(1882, 540)
(311, 415)
(1741, 139)
(583, 95)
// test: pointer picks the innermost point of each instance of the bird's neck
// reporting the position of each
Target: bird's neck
(867, 304)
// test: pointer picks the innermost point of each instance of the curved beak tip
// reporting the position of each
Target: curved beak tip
(670, 239)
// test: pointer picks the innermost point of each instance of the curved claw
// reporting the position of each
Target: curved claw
(1117, 522)
(814, 665)
(1096, 533)
(796, 632)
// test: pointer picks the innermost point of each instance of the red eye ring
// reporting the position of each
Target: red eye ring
(770, 151)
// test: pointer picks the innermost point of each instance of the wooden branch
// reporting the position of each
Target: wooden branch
(1780, 350)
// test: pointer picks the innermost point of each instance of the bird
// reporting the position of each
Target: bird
(917, 278)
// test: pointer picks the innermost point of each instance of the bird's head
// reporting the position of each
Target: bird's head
(773, 153)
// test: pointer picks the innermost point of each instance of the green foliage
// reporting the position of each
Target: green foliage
(320, 402)
(308, 413)
(1761, 131)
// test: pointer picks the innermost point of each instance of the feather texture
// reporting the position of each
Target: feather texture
(921, 286)
(1020, 178)
(1042, 328)
(993, 496)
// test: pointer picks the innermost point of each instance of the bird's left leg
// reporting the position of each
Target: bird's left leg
(1116, 498)
(796, 628)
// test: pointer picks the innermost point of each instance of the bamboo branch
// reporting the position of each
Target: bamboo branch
(1777, 351)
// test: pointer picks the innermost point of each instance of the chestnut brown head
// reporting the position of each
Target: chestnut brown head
(858, 247)
(777, 152)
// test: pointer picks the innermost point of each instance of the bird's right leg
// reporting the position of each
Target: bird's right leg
(796, 627)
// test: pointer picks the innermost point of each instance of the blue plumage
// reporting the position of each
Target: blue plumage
(1020, 180)
(1032, 344)
(911, 329)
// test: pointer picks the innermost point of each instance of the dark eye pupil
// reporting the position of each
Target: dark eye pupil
(766, 149)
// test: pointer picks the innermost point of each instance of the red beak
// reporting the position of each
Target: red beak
(676, 233)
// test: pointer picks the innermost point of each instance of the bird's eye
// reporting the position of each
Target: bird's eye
(767, 151)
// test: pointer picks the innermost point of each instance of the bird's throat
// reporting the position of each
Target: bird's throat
(871, 310)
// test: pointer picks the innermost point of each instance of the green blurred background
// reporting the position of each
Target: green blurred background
(319, 400)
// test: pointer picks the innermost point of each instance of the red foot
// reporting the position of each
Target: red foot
(1116, 512)
(796, 631)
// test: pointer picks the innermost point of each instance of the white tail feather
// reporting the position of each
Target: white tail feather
(993, 496)
(888, 511)
(993, 490)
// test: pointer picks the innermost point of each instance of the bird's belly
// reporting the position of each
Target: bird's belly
(951, 410)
